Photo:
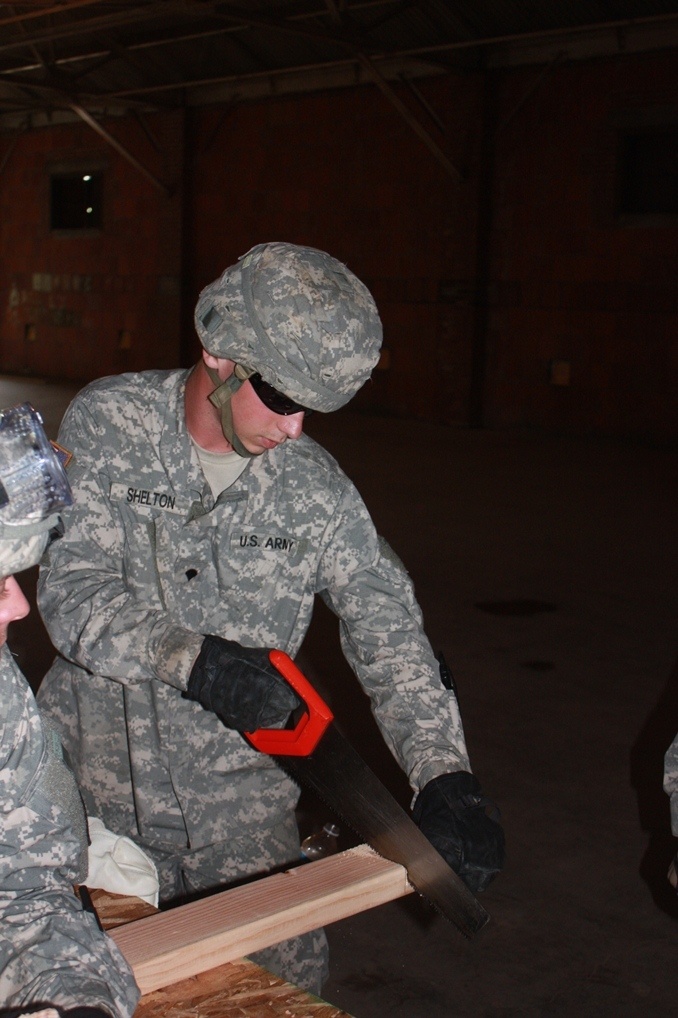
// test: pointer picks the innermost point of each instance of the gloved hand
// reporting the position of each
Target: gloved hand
(450, 811)
(240, 685)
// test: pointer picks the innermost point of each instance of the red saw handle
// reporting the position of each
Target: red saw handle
(301, 740)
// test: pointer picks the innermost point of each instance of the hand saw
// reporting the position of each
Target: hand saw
(315, 754)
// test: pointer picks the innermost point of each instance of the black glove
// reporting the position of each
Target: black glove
(450, 811)
(240, 685)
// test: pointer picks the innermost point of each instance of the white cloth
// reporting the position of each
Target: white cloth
(49, 1012)
(118, 865)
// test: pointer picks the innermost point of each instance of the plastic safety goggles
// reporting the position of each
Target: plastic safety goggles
(33, 483)
(276, 401)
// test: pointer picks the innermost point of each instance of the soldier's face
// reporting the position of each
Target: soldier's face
(259, 428)
(13, 605)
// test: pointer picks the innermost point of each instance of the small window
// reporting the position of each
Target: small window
(648, 173)
(76, 200)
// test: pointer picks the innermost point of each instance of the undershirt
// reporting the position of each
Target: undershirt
(220, 468)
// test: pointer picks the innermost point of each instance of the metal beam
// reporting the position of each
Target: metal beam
(91, 26)
(423, 102)
(541, 77)
(416, 125)
(7, 154)
(42, 12)
(114, 143)
(241, 21)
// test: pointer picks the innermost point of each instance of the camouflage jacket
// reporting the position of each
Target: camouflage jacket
(50, 949)
(671, 781)
(151, 562)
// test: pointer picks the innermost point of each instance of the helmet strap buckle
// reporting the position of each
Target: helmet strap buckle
(221, 399)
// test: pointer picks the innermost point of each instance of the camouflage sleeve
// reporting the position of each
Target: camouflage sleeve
(382, 634)
(91, 616)
(50, 949)
(671, 781)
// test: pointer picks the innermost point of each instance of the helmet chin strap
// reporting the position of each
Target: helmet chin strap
(221, 399)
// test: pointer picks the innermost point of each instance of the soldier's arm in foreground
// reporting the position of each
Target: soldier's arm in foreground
(671, 788)
(50, 949)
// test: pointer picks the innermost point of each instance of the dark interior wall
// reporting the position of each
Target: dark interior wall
(76, 307)
(573, 281)
(344, 172)
(574, 327)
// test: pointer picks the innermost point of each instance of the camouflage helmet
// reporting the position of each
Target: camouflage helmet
(299, 318)
(33, 488)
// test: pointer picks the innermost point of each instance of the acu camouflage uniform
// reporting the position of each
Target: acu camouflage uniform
(671, 788)
(671, 781)
(50, 950)
(151, 562)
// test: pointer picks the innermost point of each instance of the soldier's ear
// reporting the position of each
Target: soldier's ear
(221, 365)
(210, 360)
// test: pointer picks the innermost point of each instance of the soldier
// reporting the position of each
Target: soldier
(671, 787)
(52, 953)
(204, 523)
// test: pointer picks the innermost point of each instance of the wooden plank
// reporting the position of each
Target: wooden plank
(239, 989)
(118, 909)
(182, 942)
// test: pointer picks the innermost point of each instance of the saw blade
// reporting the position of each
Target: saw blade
(336, 772)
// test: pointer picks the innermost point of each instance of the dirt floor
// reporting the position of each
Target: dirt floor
(547, 571)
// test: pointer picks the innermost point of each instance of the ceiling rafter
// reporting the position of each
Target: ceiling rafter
(92, 122)
(158, 12)
(103, 56)
(96, 25)
(401, 52)
(430, 51)
(43, 12)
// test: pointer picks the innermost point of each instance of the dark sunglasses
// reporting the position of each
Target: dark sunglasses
(276, 401)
